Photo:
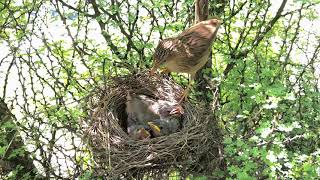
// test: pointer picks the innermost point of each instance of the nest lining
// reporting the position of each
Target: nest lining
(193, 149)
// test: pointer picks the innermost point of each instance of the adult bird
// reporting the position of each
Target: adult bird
(188, 52)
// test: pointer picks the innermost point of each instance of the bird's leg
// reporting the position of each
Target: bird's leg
(184, 94)
(186, 91)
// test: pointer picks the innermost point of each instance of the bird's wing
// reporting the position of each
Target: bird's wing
(196, 41)
(207, 29)
(199, 37)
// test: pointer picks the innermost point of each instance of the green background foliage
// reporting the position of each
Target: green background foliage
(265, 65)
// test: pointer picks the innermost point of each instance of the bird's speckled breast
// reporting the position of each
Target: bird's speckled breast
(183, 65)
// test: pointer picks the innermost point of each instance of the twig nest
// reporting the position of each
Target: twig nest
(194, 148)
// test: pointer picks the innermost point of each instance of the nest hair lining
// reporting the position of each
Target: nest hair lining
(195, 149)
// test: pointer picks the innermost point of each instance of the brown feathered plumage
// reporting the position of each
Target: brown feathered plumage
(189, 51)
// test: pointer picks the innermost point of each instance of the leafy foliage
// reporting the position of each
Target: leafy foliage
(265, 65)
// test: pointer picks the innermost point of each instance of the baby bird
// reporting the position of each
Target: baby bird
(164, 126)
(146, 115)
(138, 132)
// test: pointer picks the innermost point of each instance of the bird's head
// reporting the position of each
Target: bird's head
(161, 53)
(143, 134)
(214, 21)
(164, 126)
(138, 132)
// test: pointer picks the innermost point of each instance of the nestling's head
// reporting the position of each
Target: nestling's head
(138, 132)
(164, 126)
(161, 53)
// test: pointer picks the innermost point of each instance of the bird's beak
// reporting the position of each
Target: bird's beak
(154, 128)
(153, 69)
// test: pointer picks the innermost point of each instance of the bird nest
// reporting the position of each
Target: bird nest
(195, 148)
